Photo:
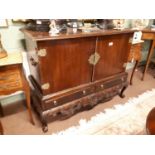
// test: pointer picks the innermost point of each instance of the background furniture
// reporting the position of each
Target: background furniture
(148, 34)
(12, 78)
(135, 55)
(1, 129)
(150, 122)
(74, 72)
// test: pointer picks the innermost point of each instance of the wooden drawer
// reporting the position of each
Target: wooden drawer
(66, 110)
(10, 86)
(99, 86)
(60, 100)
(146, 35)
(115, 82)
(135, 52)
(10, 79)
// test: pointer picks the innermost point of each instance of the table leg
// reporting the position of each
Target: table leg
(1, 129)
(133, 71)
(148, 58)
(28, 101)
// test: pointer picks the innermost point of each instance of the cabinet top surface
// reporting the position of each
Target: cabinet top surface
(40, 36)
(12, 58)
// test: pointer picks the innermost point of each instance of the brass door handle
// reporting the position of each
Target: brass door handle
(94, 58)
(91, 59)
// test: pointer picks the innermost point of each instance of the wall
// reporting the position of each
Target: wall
(12, 37)
(12, 40)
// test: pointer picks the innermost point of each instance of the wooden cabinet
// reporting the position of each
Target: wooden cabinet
(74, 72)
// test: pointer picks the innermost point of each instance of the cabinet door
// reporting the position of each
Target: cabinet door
(66, 63)
(113, 51)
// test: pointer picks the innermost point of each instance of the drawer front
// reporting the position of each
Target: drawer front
(85, 91)
(10, 86)
(51, 103)
(6, 78)
(87, 102)
(146, 35)
(115, 82)
(10, 80)
(135, 52)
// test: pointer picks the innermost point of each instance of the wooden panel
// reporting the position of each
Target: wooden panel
(113, 51)
(135, 52)
(10, 79)
(146, 35)
(66, 63)
(51, 103)
(32, 53)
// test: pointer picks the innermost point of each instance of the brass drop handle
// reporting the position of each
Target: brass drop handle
(33, 62)
(84, 92)
(102, 86)
(55, 103)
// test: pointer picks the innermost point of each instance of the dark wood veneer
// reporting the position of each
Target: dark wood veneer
(67, 59)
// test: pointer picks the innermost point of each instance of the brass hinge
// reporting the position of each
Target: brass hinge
(130, 40)
(124, 65)
(94, 58)
(45, 86)
(42, 52)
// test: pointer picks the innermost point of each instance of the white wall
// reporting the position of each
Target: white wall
(11, 37)
(12, 42)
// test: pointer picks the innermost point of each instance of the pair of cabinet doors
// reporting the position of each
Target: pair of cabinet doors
(68, 61)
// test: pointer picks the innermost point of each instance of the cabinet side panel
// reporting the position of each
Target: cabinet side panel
(32, 57)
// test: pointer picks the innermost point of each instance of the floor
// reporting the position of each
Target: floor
(18, 122)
